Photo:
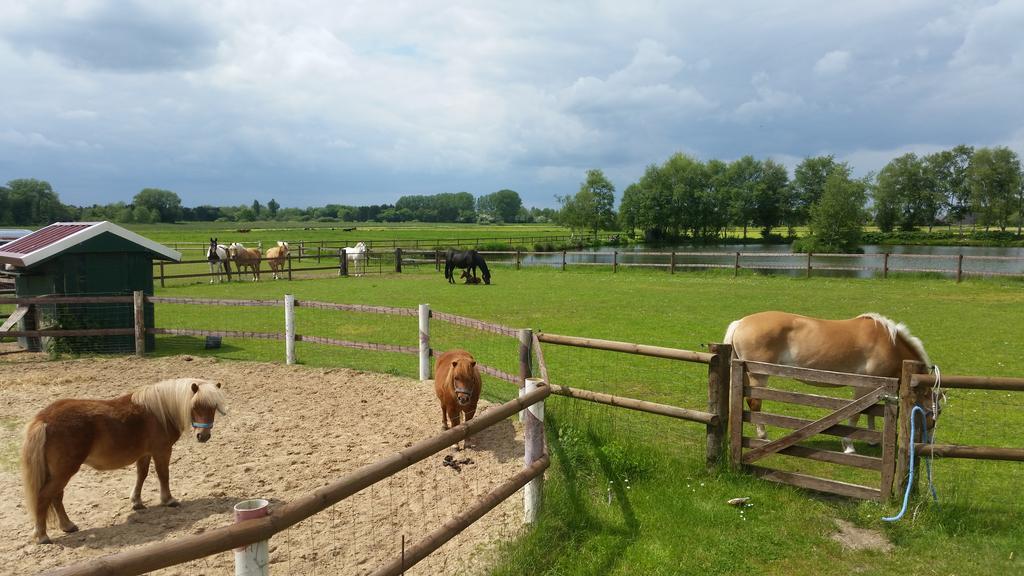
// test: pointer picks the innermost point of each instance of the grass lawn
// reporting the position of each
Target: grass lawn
(627, 493)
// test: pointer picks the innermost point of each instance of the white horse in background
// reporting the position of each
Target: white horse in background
(220, 261)
(356, 255)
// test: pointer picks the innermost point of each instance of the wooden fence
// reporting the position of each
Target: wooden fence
(919, 381)
(163, 554)
(385, 260)
(719, 415)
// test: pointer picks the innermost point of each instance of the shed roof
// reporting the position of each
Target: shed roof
(47, 242)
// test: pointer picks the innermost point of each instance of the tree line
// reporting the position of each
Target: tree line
(30, 202)
(685, 198)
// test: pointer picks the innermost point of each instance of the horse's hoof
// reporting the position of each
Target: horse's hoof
(44, 539)
(138, 506)
(70, 529)
(849, 450)
(172, 503)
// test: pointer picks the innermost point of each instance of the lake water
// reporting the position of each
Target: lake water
(778, 259)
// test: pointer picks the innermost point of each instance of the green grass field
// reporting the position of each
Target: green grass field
(627, 493)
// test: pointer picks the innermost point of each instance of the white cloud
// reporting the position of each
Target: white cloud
(769, 100)
(832, 63)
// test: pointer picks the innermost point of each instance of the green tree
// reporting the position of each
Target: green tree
(273, 207)
(257, 208)
(742, 177)
(167, 204)
(29, 201)
(995, 179)
(593, 206)
(771, 196)
(837, 219)
(947, 171)
(905, 195)
(503, 205)
(809, 180)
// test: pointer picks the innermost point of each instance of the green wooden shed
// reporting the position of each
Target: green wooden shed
(86, 259)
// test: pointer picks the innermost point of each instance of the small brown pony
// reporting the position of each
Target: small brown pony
(243, 257)
(457, 385)
(869, 344)
(276, 257)
(111, 434)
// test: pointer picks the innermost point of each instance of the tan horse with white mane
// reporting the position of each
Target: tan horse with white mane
(108, 434)
(869, 344)
(246, 257)
(276, 257)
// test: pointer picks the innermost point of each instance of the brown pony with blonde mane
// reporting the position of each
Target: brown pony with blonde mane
(108, 434)
(246, 257)
(869, 344)
(276, 257)
(457, 385)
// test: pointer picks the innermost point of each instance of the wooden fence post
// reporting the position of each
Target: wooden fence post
(672, 263)
(718, 403)
(518, 259)
(138, 301)
(615, 261)
(533, 432)
(424, 317)
(342, 263)
(318, 252)
(736, 267)
(809, 264)
(525, 362)
(908, 397)
(289, 329)
(398, 260)
(885, 266)
(563, 260)
(959, 267)
(302, 247)
(161, 273)
(437, 259)
(289, 258)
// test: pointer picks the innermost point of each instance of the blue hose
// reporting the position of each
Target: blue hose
(910, 476)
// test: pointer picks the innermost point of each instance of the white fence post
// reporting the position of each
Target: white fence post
(424, 341)
(289, 328)
(533, 433)
(254, 559)
(525, 363)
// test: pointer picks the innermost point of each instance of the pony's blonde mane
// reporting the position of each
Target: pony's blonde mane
(171, 401)
(900, 329)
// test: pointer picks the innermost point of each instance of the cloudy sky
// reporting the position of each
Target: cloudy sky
(316, 102)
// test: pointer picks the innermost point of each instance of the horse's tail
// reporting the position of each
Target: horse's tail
(730, 331)
(33, 465)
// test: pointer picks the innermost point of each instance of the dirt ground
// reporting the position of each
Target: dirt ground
(289, 430)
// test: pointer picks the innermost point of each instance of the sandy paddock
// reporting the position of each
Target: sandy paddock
(290, 430)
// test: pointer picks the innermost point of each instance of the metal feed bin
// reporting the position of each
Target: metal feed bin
(85, 259)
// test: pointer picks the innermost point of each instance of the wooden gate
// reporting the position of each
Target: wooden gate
(879, 398)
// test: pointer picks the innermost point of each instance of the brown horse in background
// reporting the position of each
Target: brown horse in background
(869, 344)
(111, 434)
(457, 385)
(243, 257)
(276, 257)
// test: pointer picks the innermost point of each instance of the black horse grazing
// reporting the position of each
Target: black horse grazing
(469, 260)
